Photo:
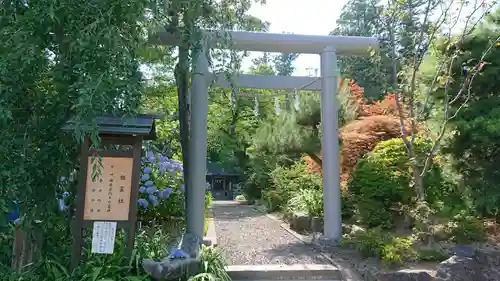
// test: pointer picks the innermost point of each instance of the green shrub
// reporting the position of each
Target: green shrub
(240, 197)
(381, 181)
(368, 243)
(432, 254)
(287, 180)
(307, 200)
(374, 213)
(273, 200)
(376, 243)
(213, 265)
(397, 250)
(383, 174)
(466, 229)
(347, 205)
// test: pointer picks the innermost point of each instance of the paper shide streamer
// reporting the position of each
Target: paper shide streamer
(277, 108)
(296, 102)
(256, 106)
(231, 99)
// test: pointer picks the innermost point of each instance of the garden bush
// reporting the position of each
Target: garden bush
(287, 180)
(374, 213)
(272, 200)
(347, 204)
(374, 242)
(358, 138)
(240, 197)
(311, 201)
(161, 191)
(465, 228)
(383, 179)
(307, 200)
(432, 253)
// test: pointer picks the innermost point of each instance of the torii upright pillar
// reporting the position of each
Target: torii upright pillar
(330, 145)
(195, 205)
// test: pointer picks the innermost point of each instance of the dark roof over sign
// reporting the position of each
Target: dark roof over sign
(141, 125)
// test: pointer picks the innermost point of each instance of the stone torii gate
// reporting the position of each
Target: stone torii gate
(328, 47)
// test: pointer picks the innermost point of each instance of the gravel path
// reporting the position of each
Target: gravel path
(245, 236)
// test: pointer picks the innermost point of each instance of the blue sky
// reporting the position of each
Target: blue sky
(314, 17)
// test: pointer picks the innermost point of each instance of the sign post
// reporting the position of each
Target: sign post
(108, 183)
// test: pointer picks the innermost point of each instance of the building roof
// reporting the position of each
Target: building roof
(141, 125)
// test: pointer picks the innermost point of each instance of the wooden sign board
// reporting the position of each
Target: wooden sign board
(107, 197)
(108, 201)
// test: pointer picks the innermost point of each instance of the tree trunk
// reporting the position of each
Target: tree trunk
(419, 183)
(26, 249)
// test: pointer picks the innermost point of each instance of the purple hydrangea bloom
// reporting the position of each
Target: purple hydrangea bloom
(151, 156)
(148, 170)
(145, 177)
(143, 203)
(149, 183)
(153, 199)
(182, 187)
(162, 168)
(165, 193)
(65, 195)
(151, 189)
(162, 158)
(142, 189)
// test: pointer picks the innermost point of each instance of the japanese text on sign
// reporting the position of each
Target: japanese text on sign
(103, 237)
(108, 197)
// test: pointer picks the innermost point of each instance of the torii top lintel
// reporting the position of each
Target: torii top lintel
(284, 43)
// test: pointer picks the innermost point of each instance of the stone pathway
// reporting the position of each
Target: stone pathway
(246, 236)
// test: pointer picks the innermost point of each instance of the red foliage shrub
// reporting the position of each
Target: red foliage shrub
(378, 121)
(360, 137)
(387, 107)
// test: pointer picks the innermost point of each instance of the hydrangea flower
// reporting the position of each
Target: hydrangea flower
(162, 168)
(159, 170)
(153, 199)
(162, 158)
(143, 203)
(145, 177)
(164, 194)
(151, 189)
(151, 156)
(147, 170)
